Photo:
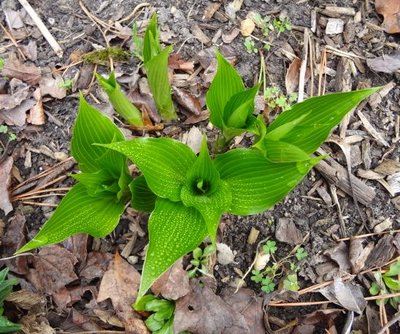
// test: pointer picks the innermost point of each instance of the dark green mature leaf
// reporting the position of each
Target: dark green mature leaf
(78, 212)
(164, 163)
(174, 230)
(157, 75)
(97, 182)
(91, 126)
(257, 183)
(226, 83)
(319, 116)
(143, 199)
(119, 100)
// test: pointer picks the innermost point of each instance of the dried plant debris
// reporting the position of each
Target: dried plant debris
(385, 63)
(390, 9)
(6, 165)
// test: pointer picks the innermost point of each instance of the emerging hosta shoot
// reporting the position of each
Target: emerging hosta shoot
(156, 65)
(94, 205)
(119, 100)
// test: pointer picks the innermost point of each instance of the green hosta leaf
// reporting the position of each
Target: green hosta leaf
(164, 163)
(278, 151)
(91, 126)
(174, 230)
(284, 129)
(119, 100)
(255, 182)
(78, 213)
(143, 199)
(240, 107)
(151, 43)
(97, 182)
(157, 76)
(323, 113)
(226, 83)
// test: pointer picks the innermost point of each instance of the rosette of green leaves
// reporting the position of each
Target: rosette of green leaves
(93, 205)
(119, 100)
(192, 192)
(299, 131)
(156, 65)
(231, 105)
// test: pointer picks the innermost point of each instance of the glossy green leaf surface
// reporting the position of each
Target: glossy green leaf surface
(119, 100)
(143, 199)
(226, 83)
(323, 113)
(164, 163)
(157, 76)
(151, 42)
(255, 182)
(98, 182)
(278, 151)
(78, 212)
(174, 230)
(91, 126)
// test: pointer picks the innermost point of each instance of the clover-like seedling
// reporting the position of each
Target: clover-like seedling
(200, 260)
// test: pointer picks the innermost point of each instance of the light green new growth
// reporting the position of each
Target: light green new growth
(119, 100)
(156, 65)
(6, 286)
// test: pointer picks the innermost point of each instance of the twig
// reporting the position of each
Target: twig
(135, 10)
(12, 39)
(303, 66)
(39, 204)
(390, 323)
(45, 32)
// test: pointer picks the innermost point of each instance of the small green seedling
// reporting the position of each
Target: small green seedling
(250, 45)
(387, 283)
(6, 286)
(276, 99)
(119, 100)
(282, 25)
(2, 63)
(137, 42)
(284, 268)
(66, 84)
(11, 135)
(200, 260)
(161, 320)
(156, 65)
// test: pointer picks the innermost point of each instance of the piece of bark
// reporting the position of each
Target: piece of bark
(338, 175)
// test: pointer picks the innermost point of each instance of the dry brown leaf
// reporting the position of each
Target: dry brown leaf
(173, 284)
(85, 322)
(292, 76)
(287, 232)
(187, 101)
(108, 318)
(247, 27)
(144, 100)
(175, 62)
(5, 181)
(317, 321)
(36, 114)
(120, 283)
(35, 324)
(52, 269)
(52, 86)
(390, 9)
(96, 264)
(19, 91)
(358, 254)
(77, 245)
(225, 255)
(388, 167)
(203, 312)
(25, 299)
(210, 10)
(340, 254)
(246, 302)
(17, 115)
(382, 253)
(28, 73)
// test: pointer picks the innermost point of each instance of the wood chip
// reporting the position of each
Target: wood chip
(210, 10)
(334, 26)
(200, 35)
(371, 130)
(376, 98)
(229, 36)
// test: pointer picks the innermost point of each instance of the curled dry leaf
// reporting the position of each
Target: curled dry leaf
(5, 180)
(28, 73)
(173, 284)
(247, 27)
(187, 101)
(120, 283)
(292, 76)
(52, 86)
(287, 232)
(36, 114)
(17, 115)
(390, 9)
(175, 62)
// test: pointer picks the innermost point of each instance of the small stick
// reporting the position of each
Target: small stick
(45, 32)
(12, 39)
(390, 323)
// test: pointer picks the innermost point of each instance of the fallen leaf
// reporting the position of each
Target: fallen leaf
(175, 62)
(287, 232)
(358, 254)
(35, 324)
(36, 114)
(84, 322)
(26, 299)
(19, 91)
(77, 245)
(371, 130)
(317, 321)
(340, 254)
(5, 181)
(203, 312)
(52, 86)
(173, 284)
(382, 253)
(232, 8)
(17, 115)
(145, 100)
(13, 19)
(225, 255)
(96, 265)
(30, 50)
(345, 294)
(108, 318)
(187, 101)
(385, 63)
(292, 76)
(28, 73)
(120, 283)
(388, 167)
(390, 9)
(246, 302)
(52, 269)
(247, 27)
(193, 138)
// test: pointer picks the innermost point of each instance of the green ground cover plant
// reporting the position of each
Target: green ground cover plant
(186, 194)
(6, 286)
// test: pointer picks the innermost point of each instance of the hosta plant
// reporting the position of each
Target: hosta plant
(185, 193)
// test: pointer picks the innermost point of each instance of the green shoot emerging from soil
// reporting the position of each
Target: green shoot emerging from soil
(6, 286)
(200, 260)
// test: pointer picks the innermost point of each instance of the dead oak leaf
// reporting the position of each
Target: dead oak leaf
(5, 180)
(390, 9)
(53, 269)
(28, 73)
(120, 283)
(203, 312)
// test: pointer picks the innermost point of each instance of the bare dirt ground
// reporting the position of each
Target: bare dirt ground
(349, 230)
